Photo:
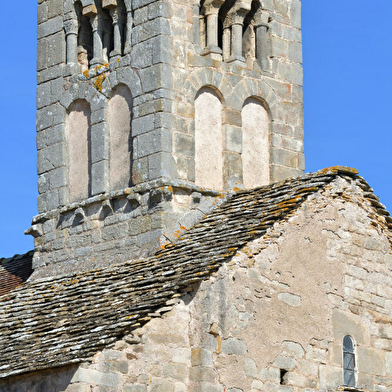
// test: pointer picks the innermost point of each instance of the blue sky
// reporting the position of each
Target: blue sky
(347, 87)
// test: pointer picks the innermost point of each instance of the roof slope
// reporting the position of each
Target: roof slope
(54, 322)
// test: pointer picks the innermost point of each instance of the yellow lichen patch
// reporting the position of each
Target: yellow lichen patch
(182, 227)
(99, 81)
(337, 169)
(86, 73)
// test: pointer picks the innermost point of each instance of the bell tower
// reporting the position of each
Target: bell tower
(149, 111)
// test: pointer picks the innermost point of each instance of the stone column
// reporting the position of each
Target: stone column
(211, 11)
(261, 32)
(128, 27)
(112, 6)
(117, 33)
(97, 41)
(92, 12)
(71, 33)
(236, 17)
(226, 42)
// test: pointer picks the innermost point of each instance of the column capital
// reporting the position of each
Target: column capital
(71, 27)
(261, 18)
(94, 20)
(237, 13)
(211, 7)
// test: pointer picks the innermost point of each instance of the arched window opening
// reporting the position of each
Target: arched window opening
(248, 35)
(120, 118)
(210, 29)
(107, 35)
(85, 39)
(348, 361)
(78, 132)
(255, 144)
(208, 140)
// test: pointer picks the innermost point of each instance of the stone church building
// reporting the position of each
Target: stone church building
(179, 245)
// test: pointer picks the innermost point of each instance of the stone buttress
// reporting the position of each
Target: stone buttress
(149, 111)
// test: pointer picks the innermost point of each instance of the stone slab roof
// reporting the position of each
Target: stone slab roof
(58, 321)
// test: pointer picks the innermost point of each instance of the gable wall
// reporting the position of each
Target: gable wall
(283, 304)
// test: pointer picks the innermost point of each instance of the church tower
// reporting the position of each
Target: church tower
(148, 111)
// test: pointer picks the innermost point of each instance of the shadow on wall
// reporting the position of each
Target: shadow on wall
(44, 381)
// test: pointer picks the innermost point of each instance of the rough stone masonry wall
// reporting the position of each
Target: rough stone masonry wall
(272, 319)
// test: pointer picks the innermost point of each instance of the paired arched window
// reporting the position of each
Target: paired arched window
(348, 361)
(236, 30)
(78, 131)
(251, 145)
(97, 33)
(117, 139)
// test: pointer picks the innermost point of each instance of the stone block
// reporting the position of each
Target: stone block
(54, 134)
(114, 232)
(250, 368)
(58, 177)
(286, 363)
(201, 357)
(201, 373)
(50, 27)
(43, 95)
(293, 349)
(279, 47)
(99, 143)
(234, 346)
(295, 13)
(388, 363)
(95, 377)
(291, 72)
(234, 139)
(99, 177)
(290, 299)
(142, 54)
(143, 124)
(345, 323)
(161, 49)
(160, 165)
(182, 355)
(295, 52)
(184, 144)
(166, 338)
(176, 371)
(50, 158)
(371, 361)
(55, 8)
(330, 377)
(154, 142)
(135, 388)
(160, 385)
(42, 13)
(139, 225)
